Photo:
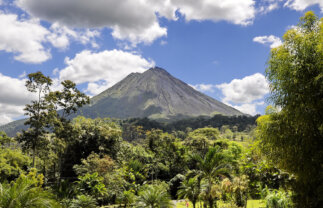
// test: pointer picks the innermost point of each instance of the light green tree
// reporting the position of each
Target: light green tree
(293, 137)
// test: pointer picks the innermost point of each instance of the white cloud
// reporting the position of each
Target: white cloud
(133, 20)
(60, 36)
(240, 12)
(301, 5)
(245, 90)
(271, 40)
(103, 69)
(24, 38)
(146, 35)
(204, 87)
(266, 6)
(249, 108)
(13, 98)
(137, 20)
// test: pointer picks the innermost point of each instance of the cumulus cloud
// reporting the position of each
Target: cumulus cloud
(249, 108)
(13, 97)
(25, 38)
(270, 40)
(137, 20)
(266, 6)
(245, 90)
(103, 69)
(61, 35)
(240, 12)
(129, 19)
(301, 5)
(204, 87)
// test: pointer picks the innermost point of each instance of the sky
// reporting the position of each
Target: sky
(219, 47)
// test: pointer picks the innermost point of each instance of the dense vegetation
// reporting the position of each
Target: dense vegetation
(211, 162)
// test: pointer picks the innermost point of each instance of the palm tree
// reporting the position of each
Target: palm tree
(210, 167)
(154, 197)
(83, 201)
(24, 194)
(190, 189)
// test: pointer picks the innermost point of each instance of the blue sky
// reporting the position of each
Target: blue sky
(219, 47)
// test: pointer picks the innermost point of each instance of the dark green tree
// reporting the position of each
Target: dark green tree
(293, 137)
(39, 112)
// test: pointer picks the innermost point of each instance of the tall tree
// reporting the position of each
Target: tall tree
(210, 168)
(190, 189)
(293, 137)
(39, 112)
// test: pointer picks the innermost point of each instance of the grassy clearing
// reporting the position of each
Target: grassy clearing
(256, 204)
(250, 204)
(182, 204)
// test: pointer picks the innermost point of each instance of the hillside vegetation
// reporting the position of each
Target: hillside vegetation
(274, 160)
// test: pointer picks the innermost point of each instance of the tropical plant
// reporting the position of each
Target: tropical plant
(26, 192)
(153, 196)
(127, 198)
(278, 199)
(91, 184)
(83, 201)
(190, 189)
(12, 163)
(212, 166)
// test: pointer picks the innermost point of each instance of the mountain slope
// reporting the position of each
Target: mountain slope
(154, 94)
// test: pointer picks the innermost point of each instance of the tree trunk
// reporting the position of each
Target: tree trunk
(34, 155)
(211, 203)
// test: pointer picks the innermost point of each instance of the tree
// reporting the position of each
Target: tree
(26, 192)
(190, 189)
(210, 167)
(39, 112)
(66, 103)
(83, 201)
(293, 137)
(12, 163)
(154, 196)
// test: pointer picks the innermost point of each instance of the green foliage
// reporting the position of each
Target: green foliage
(91, 184)
(153, 196)
(26, 192)
(278, 199)
(261, 172)
(293, 137)
(12, 163)
(209, 133)
(94, 163)
(127, 198)
(83, 201)
(190, 189)
(210, 168)
(39, 112)
(101, 136)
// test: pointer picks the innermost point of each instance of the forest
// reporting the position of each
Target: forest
(273, 160)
